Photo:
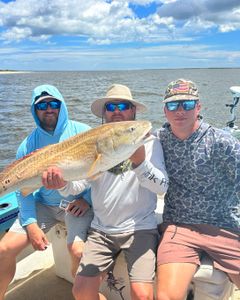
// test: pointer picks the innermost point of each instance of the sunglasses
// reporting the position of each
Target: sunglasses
(121, 106)
(54, 104)
(186, 105)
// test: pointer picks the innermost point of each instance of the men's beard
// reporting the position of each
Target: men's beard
(49, 125)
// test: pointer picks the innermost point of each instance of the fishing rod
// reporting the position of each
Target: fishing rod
(235, 90)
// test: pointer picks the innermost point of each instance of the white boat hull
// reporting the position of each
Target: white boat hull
(208, 283)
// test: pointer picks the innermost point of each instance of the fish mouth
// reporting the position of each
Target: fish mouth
(146, 137)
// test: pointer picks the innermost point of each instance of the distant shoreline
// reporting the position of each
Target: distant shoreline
(117, 70)
(12, 72)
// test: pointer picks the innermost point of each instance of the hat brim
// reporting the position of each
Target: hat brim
(46, 97)
(180, 97)
(97, 106)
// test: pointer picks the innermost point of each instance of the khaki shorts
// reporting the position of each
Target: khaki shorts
(139, 248)
(186, 243)
(49, 216)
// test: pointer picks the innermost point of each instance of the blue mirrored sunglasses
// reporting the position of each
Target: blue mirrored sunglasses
(54, 104)
(186, 105)
(121, 106)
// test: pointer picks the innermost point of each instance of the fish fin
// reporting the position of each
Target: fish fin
(93, 166)
(27, 191)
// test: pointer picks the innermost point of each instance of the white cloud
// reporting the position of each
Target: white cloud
(77, 58)
(220, 14)
(227, 27)
(16, 34)
(88, 18)
(106, 22)
(99, 23)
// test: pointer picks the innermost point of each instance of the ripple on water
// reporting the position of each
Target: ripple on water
(81, 88)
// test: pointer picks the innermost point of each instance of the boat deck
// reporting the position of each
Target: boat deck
(45, 285)
(41, 285)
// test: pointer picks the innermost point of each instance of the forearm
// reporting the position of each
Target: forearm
(74, 188)
(27, 209)
(152, 178)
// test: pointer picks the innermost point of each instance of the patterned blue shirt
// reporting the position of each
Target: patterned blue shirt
(204, 177)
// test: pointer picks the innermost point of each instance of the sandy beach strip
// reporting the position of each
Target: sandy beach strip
(13, 72)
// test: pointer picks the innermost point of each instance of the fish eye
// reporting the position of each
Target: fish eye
(131, 129)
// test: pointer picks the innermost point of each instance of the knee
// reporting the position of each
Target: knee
(8, 250)
(85, 288)
(79, 290)
(75, 250)
(142, 294)
(4, 251)
(79, 293)
(162, 295)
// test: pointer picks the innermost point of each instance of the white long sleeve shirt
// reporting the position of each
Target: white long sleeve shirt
(126, 202)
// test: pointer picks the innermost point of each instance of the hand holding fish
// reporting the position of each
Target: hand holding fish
(138, 157)
(52, 178)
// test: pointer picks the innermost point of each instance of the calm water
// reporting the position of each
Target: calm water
(81, 88)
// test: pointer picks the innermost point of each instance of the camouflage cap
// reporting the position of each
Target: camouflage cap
(181, 89)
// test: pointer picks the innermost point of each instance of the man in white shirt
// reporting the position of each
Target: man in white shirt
(124, 200)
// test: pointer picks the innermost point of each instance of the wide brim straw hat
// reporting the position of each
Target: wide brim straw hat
(116, 92)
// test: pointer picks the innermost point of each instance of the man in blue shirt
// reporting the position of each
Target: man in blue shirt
(40, 211)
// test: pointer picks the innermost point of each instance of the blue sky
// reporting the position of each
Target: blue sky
(119, 34)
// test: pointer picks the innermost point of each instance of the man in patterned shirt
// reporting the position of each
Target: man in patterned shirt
(202, 204)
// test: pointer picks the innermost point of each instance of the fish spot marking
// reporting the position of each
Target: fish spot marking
(5, 184)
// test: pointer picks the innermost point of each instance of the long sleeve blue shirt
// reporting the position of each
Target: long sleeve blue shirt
(37, 139)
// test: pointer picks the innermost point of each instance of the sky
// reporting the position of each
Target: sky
(119, 34)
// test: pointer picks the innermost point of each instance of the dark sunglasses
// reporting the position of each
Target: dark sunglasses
(121, 106)
(54, 104)
(186, 105)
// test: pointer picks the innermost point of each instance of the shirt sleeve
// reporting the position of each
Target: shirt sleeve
(74, 188)
(152, 172)
(86, 195)
(227, 155)
(27, 207)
